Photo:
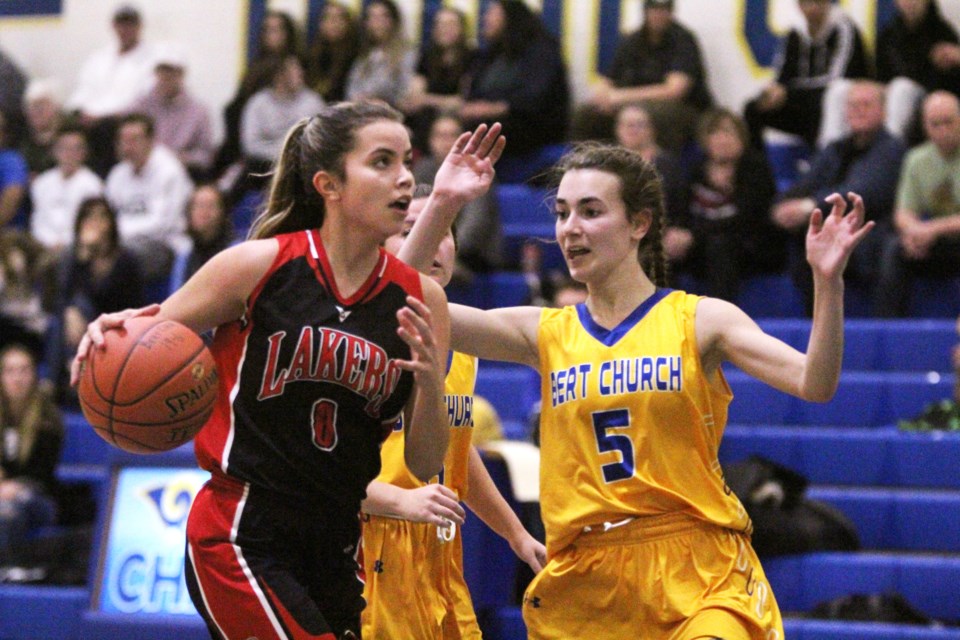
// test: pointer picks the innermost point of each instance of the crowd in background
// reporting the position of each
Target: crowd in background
(117, 192)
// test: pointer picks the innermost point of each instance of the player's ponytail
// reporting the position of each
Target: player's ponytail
(314, 144)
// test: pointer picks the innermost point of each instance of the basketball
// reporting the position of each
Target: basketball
(151, 388)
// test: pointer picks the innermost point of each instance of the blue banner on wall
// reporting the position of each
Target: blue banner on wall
(18, 8)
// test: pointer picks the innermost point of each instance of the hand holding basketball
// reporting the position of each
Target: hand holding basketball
(151, 387)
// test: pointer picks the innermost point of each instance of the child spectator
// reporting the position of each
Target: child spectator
(31, 438)
(56, 194)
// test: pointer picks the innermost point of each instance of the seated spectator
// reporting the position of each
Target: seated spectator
(56, 194)
(44, 111)
(333, 51)
(917, 52)
(731, 191)
(181, 122)
(478, 223)
(567, 292)
(519, 79)
(634, 129)
(22, 316)
(149, 190)
(807, 96)
(97, 275)
(384, 68)
(487, 425)
(32, 437)
(14, 180)
(13, 83)
(277, 39)
(441, 74)
(866, 162)
(927, 218)
(110, 82)
(659, 66)
(210, 231)
(269, 115)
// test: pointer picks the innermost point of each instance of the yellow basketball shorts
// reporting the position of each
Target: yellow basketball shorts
(667, 577)
(414, 583)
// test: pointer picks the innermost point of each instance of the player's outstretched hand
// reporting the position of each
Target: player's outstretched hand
(94, 335)
(467, 172)
(433, 504)
(832, 238)
(415, 329)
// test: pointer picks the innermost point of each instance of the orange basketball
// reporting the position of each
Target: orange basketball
(151, 388)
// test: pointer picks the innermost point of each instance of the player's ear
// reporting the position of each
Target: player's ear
(327, 185)
(640, 223)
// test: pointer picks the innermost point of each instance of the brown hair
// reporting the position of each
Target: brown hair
(40, 413)
(313, 144)
(640, 189)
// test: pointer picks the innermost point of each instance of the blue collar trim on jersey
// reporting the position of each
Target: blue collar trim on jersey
(609, 337)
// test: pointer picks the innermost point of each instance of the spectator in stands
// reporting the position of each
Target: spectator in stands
(181, 122)
(13, 83)
(44, 111)
(210, 231)
(277, 40)
(927, 217)
(97, 275)
(269, 115)
(149, 190)
(14, 180)
(568, 292)
(917, 52)
(519, 80)
(440, 77)
(384, 68)
(732, 189)
(478, 231)
(867, 161)
(333, 51)
(110, 82)
(660, 66)
(56, 194)
(635, 130)
(22, 317)
(807, 97)
(32, 439)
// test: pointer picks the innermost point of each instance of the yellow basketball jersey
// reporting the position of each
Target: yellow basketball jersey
(629, 423)
(458, 385)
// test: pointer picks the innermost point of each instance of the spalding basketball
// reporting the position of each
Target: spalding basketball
(151, 388)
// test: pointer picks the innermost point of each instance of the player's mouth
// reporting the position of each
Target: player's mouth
(576, 252)
(401, 204)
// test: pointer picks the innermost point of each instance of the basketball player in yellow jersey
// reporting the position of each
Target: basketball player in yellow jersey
(412, 549)
(644, 540)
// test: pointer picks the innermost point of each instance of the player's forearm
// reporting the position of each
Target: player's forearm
(383, 499)
(821, 372)
(485, 500)
(425, 443)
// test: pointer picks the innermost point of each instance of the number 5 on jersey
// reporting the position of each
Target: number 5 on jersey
(608, 440)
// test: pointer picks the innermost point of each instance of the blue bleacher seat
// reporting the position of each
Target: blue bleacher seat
(81, 444)
(512, 389)
(519, 169)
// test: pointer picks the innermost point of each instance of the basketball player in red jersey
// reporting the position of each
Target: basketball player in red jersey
(322, 340)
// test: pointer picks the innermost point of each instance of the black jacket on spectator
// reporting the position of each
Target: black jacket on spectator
(905, 53)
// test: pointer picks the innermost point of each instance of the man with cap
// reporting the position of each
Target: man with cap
(181, 123)
(109, 82)
(659, 66)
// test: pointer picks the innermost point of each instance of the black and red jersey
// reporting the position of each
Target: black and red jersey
(309, 384)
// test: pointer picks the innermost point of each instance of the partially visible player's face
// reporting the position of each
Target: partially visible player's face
(378, 184)
(592, 227)
(442, 269)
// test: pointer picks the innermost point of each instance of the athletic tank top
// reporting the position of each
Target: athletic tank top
(629, 424)
(459, 384)
(309, 385)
